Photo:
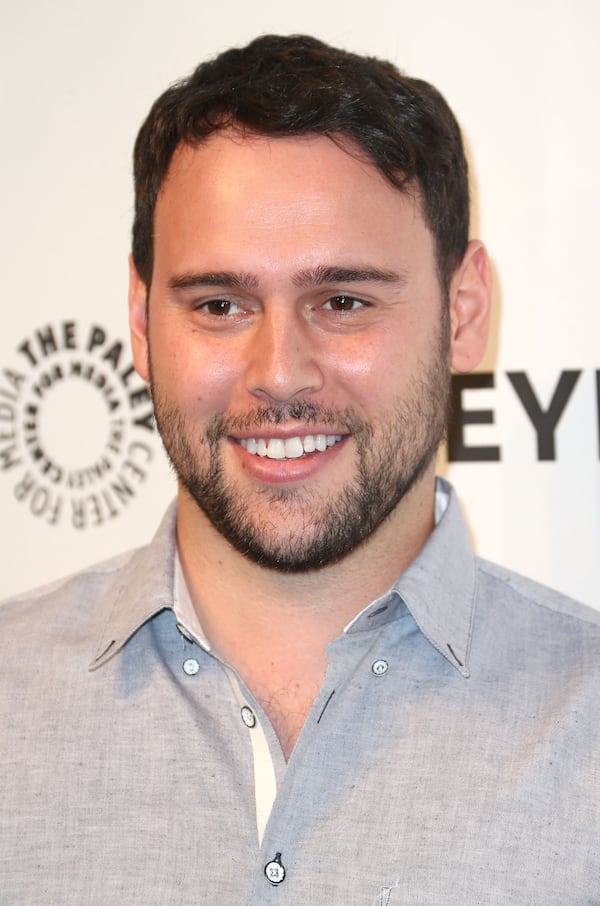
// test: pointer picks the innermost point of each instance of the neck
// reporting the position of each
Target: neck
(273, 627)
(236, 599)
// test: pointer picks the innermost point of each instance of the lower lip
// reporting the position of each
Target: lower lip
(284, 471)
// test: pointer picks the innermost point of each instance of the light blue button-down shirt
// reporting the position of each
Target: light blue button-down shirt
(452, 755)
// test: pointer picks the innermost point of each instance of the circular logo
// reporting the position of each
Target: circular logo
(77, 430)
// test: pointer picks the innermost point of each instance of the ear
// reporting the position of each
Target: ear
(470, 302)
(138, 321)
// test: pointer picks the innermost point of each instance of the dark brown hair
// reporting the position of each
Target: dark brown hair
(296, 85)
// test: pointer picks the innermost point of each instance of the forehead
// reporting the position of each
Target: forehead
(304, 190)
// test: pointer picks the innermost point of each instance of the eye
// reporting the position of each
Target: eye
(220, 307)
(344, 303)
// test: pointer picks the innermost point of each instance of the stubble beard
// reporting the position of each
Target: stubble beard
(295, 529)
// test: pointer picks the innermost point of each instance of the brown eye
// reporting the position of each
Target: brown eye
(343, 303)
(217, 307)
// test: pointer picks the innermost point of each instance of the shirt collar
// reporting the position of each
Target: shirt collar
(138, 590)
(438, 589)
(188, 622)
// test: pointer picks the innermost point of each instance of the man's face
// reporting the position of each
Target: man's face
(297, 343)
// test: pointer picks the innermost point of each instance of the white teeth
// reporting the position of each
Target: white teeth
(291, 448)
(276, 448)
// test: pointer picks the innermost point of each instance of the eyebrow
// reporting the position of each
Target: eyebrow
(319, 276)
(311, 277)
(214, 278)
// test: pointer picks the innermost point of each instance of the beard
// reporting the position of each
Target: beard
(295, 529)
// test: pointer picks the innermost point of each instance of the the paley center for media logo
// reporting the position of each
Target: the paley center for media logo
(77, 431)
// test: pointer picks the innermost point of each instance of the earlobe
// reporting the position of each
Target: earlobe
(138, 321)
(470, 302)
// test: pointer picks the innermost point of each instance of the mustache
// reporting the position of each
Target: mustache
(305, 411)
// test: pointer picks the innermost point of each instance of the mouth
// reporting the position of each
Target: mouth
(289, 447)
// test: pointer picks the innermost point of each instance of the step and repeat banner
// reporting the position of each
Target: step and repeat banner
(82, 471)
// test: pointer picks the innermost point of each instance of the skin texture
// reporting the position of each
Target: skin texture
(295, 292)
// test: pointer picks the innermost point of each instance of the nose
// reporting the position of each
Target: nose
(283, 362)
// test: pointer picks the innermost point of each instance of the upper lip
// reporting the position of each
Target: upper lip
(276, 431)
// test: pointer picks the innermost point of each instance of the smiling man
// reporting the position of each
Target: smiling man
(307, 689)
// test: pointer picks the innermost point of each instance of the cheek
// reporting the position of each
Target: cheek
(366, 370)
(190, 372)
(379, 375)
(353, 358)
(204, 382)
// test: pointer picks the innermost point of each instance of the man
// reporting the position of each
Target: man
(307, 689)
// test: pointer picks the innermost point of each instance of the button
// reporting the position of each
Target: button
(380, 667)
(274, 871)
(191, 666)
(249, 717)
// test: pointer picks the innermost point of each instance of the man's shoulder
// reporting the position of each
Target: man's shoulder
(532, 600)
(138, 574)
(79, 590)
(528, 634)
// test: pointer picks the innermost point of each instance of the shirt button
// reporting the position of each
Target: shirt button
(249, 718)
(380, 667)
(191, 666)
(274, 870)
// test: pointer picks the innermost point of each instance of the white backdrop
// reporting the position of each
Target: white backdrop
(77, 81)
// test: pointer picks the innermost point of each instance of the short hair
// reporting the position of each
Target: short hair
(297, 85)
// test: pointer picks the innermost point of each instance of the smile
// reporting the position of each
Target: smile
(291, 447)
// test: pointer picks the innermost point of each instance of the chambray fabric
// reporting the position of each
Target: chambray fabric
(451, 757)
